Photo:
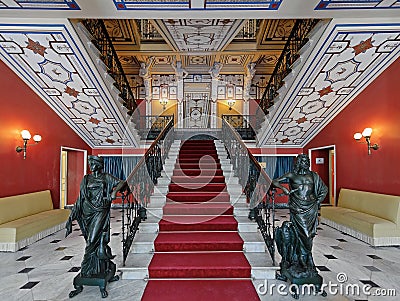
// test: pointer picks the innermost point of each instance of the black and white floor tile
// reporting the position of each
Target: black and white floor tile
(45, 269)
(355, 263)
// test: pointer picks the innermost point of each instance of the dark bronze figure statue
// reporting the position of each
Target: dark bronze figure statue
(92, 212)
(294, 239)
(286, 242)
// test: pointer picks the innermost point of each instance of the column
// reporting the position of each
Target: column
(214, 97)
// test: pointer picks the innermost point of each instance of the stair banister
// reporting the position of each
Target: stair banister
(290, 53)
(256, 185)
(109, 57)
(151, 125)
(141, 182)
(245, 125)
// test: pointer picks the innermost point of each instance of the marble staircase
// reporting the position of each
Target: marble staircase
(143, 246)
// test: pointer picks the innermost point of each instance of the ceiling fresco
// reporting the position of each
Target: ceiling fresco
(345, 62)
(198, 43)
(199, 34)
(51, 62)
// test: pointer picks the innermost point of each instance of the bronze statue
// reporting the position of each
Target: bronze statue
(306, 192)
(286, 242)
(92, 212)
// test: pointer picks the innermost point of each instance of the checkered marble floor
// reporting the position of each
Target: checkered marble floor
(45, 269)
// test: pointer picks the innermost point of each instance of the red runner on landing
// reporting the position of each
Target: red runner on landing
(198, 251)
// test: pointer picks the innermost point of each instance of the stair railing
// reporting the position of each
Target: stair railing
(151, 125)
(255, 183)
(141, 183)
(290, 53)
(243, 124)
(109, 56)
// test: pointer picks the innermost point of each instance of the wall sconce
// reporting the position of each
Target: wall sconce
(25, 137)
(164, 102)
(367, 135)
(231, 102)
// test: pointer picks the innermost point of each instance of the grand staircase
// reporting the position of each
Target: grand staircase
(197, 243)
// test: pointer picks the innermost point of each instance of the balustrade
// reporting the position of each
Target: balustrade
(255, 183)
(141, 183)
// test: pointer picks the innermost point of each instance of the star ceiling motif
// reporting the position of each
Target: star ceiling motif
(43, 55)
(71, 91)
(325, 91)
(301, 120)
(363, 46)
(36, 47)
(94, 121)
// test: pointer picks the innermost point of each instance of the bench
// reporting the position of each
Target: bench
(371, 217)
(26, 218)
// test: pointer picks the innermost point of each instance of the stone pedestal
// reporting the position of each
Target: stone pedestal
(296, 283)
(99, 280)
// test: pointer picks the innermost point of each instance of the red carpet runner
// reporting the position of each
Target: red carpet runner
(198, 251)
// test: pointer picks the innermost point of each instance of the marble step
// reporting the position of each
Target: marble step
(151, 225)
(261, 266)
(245, 225)
(253, 242)
(154, 210)
(158, 200)
(241, 209)
(136, 267)
(144, 243)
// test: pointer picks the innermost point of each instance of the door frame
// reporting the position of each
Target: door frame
(66, 148)
(328, 147)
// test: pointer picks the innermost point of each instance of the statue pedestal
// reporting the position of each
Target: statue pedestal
(99, 280)
(315, 280)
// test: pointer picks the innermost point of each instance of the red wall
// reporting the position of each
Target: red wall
(21, 108)
(378, 107)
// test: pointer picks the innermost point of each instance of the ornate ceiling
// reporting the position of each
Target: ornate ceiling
(39, 43)
(348, 57)
(49, 60)
(198, 43)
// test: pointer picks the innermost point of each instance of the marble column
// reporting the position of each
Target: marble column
(214, 97)
(148, 110)
(246, 107)
(179, 118)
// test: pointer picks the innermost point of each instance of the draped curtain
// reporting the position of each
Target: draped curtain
(120, 166)
(277, 166)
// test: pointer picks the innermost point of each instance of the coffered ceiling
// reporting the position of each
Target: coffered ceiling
(198, 43)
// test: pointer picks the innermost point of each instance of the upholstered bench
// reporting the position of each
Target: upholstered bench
(370, 217)
(26, 218)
